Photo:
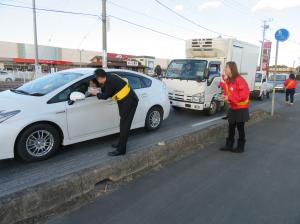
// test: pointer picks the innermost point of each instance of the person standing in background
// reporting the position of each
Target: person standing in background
(290, 88)
(237, 96)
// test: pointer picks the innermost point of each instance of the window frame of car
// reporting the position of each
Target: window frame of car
(55, 99)
(143, 80)
(218, 74)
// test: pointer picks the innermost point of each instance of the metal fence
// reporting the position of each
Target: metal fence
(14, 79)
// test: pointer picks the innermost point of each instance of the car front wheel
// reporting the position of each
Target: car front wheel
(38, 142)
(154, 118)
(8, 80)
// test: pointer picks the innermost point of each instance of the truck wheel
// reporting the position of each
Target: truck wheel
(154, 118)
(212, 108)
(38, 142)
(176, 108)
(262, 97)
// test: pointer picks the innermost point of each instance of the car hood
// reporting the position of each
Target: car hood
(10, 101)
(188, 87)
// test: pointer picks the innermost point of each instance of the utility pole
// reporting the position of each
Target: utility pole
(36, 51)
(265, 28)
(104, 35)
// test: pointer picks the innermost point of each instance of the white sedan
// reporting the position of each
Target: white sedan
(6, 76)
(38, 117)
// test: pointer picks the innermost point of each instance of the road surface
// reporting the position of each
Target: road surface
(213, 187)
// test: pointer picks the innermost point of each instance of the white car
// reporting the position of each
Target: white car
(38, 117)
(6, 76)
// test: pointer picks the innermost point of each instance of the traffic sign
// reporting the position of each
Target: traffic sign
(282, 35)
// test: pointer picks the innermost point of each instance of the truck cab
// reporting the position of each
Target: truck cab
(194, 83)
(262, 88)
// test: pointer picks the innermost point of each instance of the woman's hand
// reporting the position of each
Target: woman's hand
(224, 98)
(93, 91)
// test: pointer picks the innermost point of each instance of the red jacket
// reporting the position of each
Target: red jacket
(222, 85)
(290, 84)
(238, 93)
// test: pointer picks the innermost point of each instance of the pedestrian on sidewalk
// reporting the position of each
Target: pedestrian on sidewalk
(237, 95)
(290, 87)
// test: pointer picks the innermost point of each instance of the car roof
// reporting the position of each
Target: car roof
(88, 71)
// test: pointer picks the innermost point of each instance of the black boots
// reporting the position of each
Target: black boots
(240, 146)
(228, 146)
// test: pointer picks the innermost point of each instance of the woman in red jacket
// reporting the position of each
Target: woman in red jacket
(237, 95)
(290, 86)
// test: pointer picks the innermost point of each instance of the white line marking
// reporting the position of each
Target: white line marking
(296, 94)
(207, 121)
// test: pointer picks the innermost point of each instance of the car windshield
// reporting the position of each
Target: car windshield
(258, 77)
(277, 78)
(187, 69)
(47, 83)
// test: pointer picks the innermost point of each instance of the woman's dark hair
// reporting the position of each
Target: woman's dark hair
(233, 68)
(100, 73)
(292, 76)
(95, 82)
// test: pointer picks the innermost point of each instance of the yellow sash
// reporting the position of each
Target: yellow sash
(123, 92)
(245, 102)
(290, 83)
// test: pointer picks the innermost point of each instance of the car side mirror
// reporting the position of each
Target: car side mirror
(76, 96)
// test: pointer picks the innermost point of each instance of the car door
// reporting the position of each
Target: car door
(137, 84)
(213, 81)
(91, 116)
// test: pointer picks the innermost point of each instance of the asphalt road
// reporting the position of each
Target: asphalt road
(15, 175)
(260, 186)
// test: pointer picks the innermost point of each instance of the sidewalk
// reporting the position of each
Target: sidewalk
(260, 186)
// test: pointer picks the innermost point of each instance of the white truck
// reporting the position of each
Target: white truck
(193, 83)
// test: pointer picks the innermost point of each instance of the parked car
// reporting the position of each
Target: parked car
(262, 87)
(6, 76)
(278, 81)
(38, 117)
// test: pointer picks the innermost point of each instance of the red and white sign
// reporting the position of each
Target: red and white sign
(266, 55)
(41, 61)
(118, 56)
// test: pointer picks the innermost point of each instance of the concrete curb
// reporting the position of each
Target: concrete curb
(45, 197)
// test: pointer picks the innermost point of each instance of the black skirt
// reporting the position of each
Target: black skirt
(239, 115)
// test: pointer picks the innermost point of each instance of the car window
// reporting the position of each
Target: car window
(80, 86)
(146, 82)
(134, 81)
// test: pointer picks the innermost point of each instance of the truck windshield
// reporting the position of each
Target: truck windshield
(277, 78)
(258, 77)
(187, 69)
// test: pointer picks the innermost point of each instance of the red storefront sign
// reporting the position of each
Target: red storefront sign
(119, 56)
(41, 61)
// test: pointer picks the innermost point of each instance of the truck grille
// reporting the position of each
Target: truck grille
(180, 97)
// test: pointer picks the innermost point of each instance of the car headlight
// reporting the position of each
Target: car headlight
(198, 98)
(6, 115)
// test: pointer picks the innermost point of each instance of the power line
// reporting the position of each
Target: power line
(151, 17)
(97, 16)
(189, 20)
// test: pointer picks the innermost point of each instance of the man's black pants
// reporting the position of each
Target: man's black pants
(127, 110)
(289, 93)
(241, 129)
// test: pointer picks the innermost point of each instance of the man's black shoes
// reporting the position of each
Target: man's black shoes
(116, 153)
(115, 145)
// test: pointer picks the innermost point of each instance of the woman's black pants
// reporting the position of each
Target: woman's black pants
(289, 93)
(241, 129)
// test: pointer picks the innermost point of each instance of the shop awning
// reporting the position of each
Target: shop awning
(41, 61)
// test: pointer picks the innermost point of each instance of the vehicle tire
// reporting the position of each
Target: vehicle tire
(37, 142)
(268, 95)
(154, 118)
(8, 80)
(176, 108)
(212, 108)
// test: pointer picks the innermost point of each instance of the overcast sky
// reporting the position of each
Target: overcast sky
(241, 19)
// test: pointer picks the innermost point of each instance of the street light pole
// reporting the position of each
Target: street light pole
(104, 35)
(274, 92)
(36, 61)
